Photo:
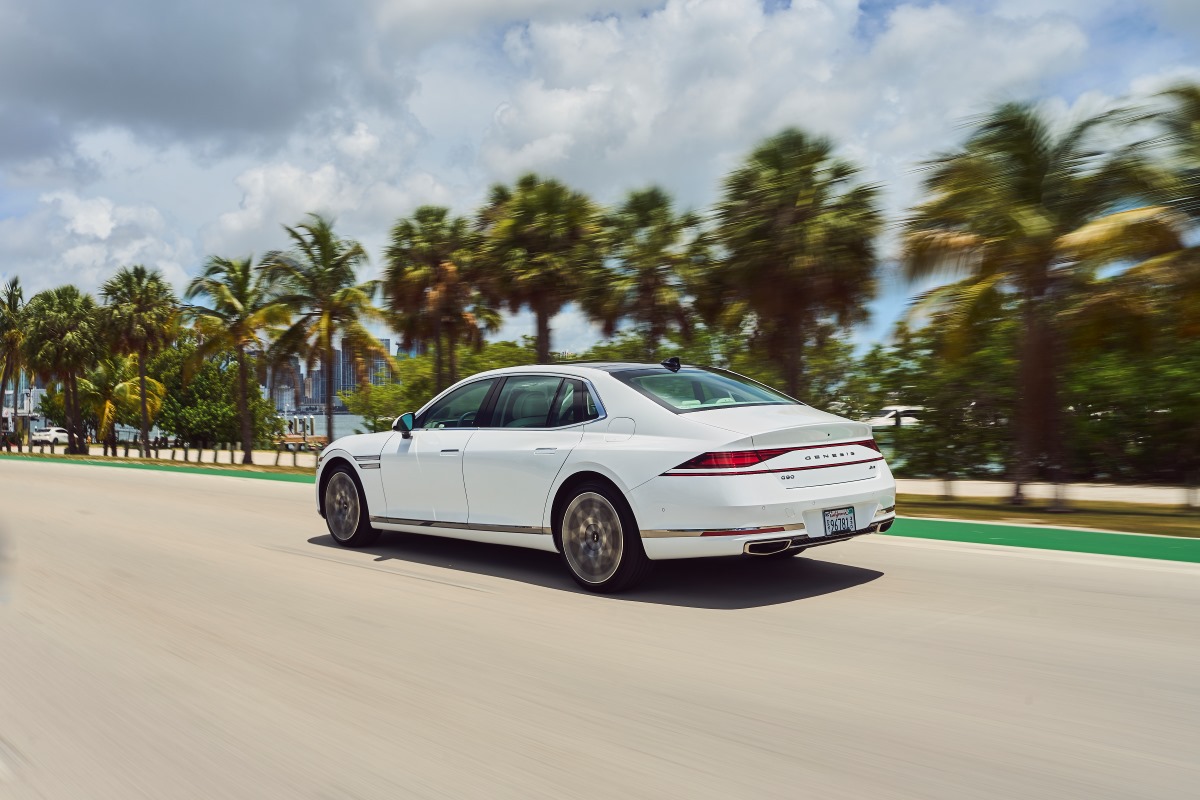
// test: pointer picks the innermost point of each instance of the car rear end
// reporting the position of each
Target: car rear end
(787, 477)
(759, 501)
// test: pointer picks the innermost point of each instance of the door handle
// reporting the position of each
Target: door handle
(449, 451)
(545, 450)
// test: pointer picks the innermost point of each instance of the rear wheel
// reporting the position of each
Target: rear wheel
(346, 511)
(601, 544)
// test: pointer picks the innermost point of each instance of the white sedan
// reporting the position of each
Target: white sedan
(612, 465)
(49, 436)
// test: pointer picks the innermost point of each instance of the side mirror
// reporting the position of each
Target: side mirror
(404, 424)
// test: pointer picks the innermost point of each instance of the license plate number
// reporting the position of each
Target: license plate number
(839, 520)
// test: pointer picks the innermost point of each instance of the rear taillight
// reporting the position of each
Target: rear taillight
(730, 459)
(738, 459)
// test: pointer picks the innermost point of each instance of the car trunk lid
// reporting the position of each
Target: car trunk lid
(819, 448)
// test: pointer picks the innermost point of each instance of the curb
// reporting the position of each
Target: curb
(287, 477)
(1073, 540)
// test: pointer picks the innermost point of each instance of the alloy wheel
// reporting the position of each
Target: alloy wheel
(342, 507)
(592, 537)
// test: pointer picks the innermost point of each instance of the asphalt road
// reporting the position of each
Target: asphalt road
(183, 636)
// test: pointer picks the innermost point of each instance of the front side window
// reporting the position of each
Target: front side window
(459, 409)
(525, 401)
(697, 389)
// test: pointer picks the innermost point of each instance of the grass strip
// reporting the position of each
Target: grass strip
(258, 472)
(1127, 517)
(1170, 548)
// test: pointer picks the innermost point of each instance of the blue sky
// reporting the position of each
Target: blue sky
(136, 131)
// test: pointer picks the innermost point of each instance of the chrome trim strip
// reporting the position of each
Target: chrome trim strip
(369, 465)
(366, 458)
(660, 533)
(461, 526)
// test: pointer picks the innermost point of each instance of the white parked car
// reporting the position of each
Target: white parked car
(612, 465)
(888, 416)
(49, 436)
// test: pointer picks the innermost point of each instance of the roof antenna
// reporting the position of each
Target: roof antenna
(672, 363)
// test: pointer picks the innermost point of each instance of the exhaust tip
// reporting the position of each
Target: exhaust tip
(766, 548)
(883, 528)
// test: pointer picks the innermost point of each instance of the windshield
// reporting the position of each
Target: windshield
(700, 389)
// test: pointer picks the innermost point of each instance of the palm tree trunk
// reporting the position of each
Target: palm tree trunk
(145, 409)
(1030, 416)
(543, 333)
(70, 411)
(452, 356)
(3, 385)
(793, 364)
(439, 381)
(327, 368)
(244, 409)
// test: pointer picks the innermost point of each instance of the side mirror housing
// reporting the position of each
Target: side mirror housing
(404, 424)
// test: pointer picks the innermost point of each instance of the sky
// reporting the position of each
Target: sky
(138, 131)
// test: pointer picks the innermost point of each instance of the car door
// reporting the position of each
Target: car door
(512, 462)
(423, 475)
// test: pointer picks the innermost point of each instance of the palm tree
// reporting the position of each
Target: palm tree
(798, 234)
(653, 250)
(429, 288)
(318, 282)
(12, 336)
(112, 390)
(141, 316)
(240, 309)
(1005, 212)
(542, 247)
(62, 331)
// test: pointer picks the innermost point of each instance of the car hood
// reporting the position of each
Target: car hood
(769, 426)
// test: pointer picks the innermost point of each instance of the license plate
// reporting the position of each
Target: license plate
(839, 520)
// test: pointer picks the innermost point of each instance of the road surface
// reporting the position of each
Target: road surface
(183, 636)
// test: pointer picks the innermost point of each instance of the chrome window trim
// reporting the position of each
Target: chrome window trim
(461, 526)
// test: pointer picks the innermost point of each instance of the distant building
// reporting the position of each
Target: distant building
(381, 370)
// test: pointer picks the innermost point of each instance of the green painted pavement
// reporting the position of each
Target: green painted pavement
(289, 477)
(1171, 548)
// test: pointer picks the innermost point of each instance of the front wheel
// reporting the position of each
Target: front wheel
(346, 511)
(601, 544)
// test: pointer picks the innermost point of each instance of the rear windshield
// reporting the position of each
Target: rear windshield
(701, 389)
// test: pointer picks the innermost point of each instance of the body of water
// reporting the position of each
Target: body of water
(343, 424)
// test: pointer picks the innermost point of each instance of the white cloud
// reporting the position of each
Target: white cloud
(368, 112)
(67, 238)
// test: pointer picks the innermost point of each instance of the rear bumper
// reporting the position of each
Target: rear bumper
(720, 516)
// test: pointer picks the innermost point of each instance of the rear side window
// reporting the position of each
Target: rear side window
(573, 405)
(525, 401)
(696, 389)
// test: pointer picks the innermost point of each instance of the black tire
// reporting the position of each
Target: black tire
(599, 539)
(346, 513)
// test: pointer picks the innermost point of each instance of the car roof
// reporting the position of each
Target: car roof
(573, 368)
